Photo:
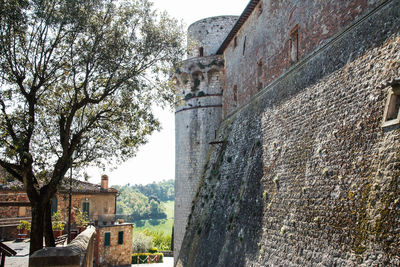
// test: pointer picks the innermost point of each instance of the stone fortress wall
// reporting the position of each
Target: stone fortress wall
(302, 172)
(198, 116)
(207, 34)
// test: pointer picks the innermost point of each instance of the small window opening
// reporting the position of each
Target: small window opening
(54, 204)
(244, 45)
(201, 51)
(391, 114)
(86, 208)
(107, 237)
(259, 75)
(294, 45)
(235, 42)
(120, 237)
(260, 9)
(235, 89)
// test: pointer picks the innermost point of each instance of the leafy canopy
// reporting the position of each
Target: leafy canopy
(80, 75)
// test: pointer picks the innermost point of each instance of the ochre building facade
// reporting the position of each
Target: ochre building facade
(98, 200)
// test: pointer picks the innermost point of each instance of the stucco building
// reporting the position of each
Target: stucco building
(96, 200)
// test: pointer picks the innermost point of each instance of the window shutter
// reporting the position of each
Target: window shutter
(107, 237)
(120, 237)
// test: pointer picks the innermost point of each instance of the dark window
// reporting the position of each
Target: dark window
(107, 237)
(260, 9)
(54, 204)
(201, 51)
(85, 207)
(235, 93)
(244, 45)
(393, 108)
(120, 237)
(235, 42)
(259, 75)
(294, 45)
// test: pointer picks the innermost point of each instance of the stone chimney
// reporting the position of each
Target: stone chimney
(104, 181)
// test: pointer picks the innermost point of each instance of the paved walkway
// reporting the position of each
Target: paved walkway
(22, 257)
(168, 262)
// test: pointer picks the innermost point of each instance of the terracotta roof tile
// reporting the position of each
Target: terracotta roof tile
(77, 187)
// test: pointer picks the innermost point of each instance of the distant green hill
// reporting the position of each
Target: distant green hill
(164, 225)
(147, 206)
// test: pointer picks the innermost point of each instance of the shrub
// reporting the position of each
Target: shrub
(147, 258)
(141, 243)
(56, 223)
(56, 216)
(160, 241)
(153, 250)
(81, 218)
(24, 225)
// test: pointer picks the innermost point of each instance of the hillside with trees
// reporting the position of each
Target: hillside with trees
(144, 202)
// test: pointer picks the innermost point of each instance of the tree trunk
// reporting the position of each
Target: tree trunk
(48, 230)
(36, 242)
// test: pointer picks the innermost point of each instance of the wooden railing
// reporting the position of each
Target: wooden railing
(5, 251)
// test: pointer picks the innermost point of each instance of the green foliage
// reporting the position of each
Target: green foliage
(56, 216)
(141, 242)
(137, 206)
(164, 225)
(81, 218)
(81, 66)
(24, 225)
(188, 96)
(163, 191)
(160, 240)
(145, 258)
(56, 223)
(70, 71)
(153, 250)
(142, 202)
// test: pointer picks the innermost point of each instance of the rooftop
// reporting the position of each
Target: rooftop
(77, 187)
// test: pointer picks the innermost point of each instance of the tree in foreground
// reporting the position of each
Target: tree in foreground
(77, 81)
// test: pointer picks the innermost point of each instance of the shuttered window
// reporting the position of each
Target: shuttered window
(107, 237)
(85, 208)
(120, 237)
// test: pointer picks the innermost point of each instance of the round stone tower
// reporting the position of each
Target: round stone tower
(199, 82)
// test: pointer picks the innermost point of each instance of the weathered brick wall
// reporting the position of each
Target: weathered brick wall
(13, 211)
(98, 204)
(307, 175)
(11, 215)
(115, 254)
(267, 37)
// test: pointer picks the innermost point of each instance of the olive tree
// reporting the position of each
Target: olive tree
(77, 81)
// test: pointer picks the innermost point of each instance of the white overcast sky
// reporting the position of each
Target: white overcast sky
(155, 161)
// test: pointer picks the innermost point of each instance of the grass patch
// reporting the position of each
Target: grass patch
(169, 208)
(164, 225)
